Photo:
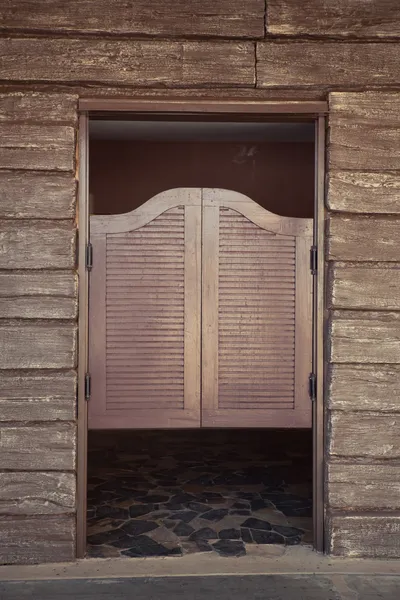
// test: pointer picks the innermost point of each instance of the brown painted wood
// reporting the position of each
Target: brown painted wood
(36, 147)
(365, 337)
(129, 63)
(38, 447)
(326, 65)
(37, 195)
(364, 435)
(37, 396)
(37, 107)
(364, 286)
(372, 19)
(37, 493)
(373, 387)
(373, 536)
(37, 244)
(256, 311)
(40, 345)
(364, 129)
(362, 192)
(182, 18)
(363, 238)
(353, 487)
(32, 540)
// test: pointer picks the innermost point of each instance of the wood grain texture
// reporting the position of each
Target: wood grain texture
(364, 130)
(37, 396)
(364, 535)
(182, 18)
(33, 540)
(37, 147)
(38, 295)
(362, 192)
(37, 107)
(41, 345)
(37, 493)
(37, 244)
(364, 387)
(326, 65)
(364, 435)
(365, 337)
(344, 18)
(132, 63)
(364, 286)
(38, 447)
(354, 487)
(37, 195)
(363, 238)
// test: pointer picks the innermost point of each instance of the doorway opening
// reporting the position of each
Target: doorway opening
(192, 449)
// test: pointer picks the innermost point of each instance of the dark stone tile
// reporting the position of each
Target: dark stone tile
(210, 496)
(184, 515)
(241, 505)
(229, 548)
(243, 513)
(266, 537)
(154, 498)
(183, 498)
(248, 495)
(254, 523)
(144, 546)
(138, 510)
(91, 512)
(105, 537)
(183, 529)
(113, 512)
(246, 535)
(229, 534)
(203, 546)
(215, 515)
(136, 527)
(206, 533)
(198, 507)
(173, 506)
(259, 503)
(287, 531)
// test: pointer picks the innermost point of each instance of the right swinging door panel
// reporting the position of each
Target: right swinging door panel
(256, 315)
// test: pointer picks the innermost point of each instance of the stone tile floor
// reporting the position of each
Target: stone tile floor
(153, 493)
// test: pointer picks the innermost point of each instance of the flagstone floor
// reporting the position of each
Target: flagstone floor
(154, 493)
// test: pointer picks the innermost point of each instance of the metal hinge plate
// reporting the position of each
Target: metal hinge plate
(312, 386)
(88, 385)
(89, 256)
(313, 260)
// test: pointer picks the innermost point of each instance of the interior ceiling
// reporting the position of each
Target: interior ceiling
(195, 131)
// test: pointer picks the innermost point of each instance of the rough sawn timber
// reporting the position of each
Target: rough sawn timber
(342, 18)
(181, 18)
(135, 63)
(37, 493)
(364, 535)
(364, 192)
(37, 107)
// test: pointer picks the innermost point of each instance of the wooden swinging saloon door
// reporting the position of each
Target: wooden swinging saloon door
(200, 315)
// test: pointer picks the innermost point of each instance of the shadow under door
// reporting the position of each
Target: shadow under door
(200, 314)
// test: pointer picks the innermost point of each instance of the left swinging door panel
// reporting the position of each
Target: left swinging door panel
(145, 315)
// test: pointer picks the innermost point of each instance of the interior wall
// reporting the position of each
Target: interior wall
(279, 176)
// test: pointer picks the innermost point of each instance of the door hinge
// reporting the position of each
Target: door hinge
(89, 256)
(312, 386)
(313, 260)
(88, 385)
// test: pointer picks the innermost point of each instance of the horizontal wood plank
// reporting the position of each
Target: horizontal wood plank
(364, 535)
(37, 107)
(42, 345)
(365, 286)
(133, 63)
(38, 447)
(37, 195)
(37, 147)
(374, 18)
(365, 337)
(364, 130)
(32, 540)
(364, 435)
(362, 192)
(37, 493)
(326, 65)
(181, 18)
(364, 387)
(363, 238)
(354, 487)
(38, 307)
(38, 396)
(37, 244)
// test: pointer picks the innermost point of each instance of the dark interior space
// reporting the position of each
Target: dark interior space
(169, 493)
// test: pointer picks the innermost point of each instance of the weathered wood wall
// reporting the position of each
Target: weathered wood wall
(51, 53)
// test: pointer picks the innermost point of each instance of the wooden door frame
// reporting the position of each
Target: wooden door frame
(234, 110)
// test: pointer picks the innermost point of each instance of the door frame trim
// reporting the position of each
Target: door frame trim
(314, 111)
